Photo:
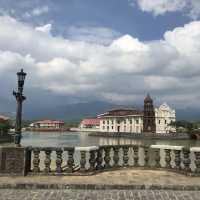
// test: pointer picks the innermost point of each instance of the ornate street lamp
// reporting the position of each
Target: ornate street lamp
(19, 98)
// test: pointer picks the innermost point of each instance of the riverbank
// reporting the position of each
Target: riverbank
(47, 129)
(171, 136)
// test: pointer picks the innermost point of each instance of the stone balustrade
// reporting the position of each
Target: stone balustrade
(93, 159)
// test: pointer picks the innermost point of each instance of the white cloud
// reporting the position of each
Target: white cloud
(160, 7)
(45, 29)
(122, 71)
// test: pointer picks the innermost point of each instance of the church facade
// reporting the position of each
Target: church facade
(148, 120)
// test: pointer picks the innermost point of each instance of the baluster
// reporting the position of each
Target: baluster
(70, 161)
(36, 160)
(125, 156)
(47, 161)
(197, 162)
(157, 158)
(107, 157)
(135, 156)
(59, 160)
(92, 160)
(83, 161)
(177, 159)
(116, 156)
(99, 159)
(146, 156)
(186, 159)
(168, 158)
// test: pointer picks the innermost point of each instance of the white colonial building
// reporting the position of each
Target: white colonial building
(131, 120)
(122, 120)
(164, 116)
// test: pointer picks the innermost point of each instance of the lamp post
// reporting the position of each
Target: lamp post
(19, 98)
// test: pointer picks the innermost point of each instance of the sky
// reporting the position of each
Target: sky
(101, 50)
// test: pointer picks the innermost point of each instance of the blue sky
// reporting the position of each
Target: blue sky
(109, 50)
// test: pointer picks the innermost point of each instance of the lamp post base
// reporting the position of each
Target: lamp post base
(17, 139)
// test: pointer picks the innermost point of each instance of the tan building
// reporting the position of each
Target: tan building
(122, 120)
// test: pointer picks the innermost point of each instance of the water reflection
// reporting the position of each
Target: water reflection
(56, 139)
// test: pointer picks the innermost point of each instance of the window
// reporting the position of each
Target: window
(107, 121)
(137, 121)
(112, 122)
(125, 121)
(118, 121)
(112, 127)
(165, 121)
(103, 122)
(108, 128)
(159, 121)
(103, 127)
(130, 121)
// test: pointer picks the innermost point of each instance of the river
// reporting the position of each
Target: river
(63, 139)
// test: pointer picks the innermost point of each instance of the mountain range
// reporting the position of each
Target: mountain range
(77, 111)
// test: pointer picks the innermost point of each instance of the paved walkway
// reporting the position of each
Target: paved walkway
(97, 195)
(115, 185)
(120, 179)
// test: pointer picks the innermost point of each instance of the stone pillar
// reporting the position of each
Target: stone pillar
(125, 156)
(136, 156)
(186, 159)
(36, 160)
(59, 160)
(116, 156)
(196, 151)
(157, 158)
(70, 161)
(146, 156)
(168, 158)
(14, 161)
(92, 160)
(99, 159)
(107, 157)
(177, 159)
(197, 162)
(83, 161)
(47, 161)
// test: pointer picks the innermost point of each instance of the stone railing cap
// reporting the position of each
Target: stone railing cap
(195, 149)
(91, 148)
(167, 147)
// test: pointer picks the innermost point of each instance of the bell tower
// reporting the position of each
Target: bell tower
(149, 123)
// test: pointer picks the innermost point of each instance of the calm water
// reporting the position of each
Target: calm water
(55, 139)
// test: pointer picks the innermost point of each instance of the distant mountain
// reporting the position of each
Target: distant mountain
(69, 112)
(78, 111)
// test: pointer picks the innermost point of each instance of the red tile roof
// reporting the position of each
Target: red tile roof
(121, 112)
(4, 118)
(91, 121)
(49, 122)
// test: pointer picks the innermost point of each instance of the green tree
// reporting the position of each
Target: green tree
(4, 126)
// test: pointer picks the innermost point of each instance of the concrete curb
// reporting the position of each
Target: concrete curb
(29, 186)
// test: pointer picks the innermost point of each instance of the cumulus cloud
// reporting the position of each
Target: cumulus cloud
(122, 71)
(45, 29)
(160, 7)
